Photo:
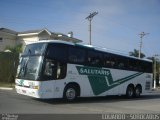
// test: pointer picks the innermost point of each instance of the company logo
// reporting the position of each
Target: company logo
(93, 71)
(21, 82)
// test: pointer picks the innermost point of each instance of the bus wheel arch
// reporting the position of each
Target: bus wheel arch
(130, 91)
(71, 91)
(138, 90)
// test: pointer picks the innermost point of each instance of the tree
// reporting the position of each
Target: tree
(135, 53)
(16, 49)
(13, 56)
(150, 58)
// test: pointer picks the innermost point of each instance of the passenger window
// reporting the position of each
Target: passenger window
(95, 58)
(54, 70)
(48, 69)
(76, 55)
(107, 62)
(57, 52)
(121, 63)
(110, 60)
(61, 70)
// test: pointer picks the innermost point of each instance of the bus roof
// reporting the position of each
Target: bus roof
(91, 47)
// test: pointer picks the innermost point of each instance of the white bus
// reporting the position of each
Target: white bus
(58, 69)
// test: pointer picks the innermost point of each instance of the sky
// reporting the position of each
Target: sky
(116, 26)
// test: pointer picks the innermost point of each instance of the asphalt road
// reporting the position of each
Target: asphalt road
(11, 102)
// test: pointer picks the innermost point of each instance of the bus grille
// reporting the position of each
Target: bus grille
(148, 86)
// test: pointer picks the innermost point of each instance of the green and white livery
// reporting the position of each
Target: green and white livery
(101, 80)
(57, 69)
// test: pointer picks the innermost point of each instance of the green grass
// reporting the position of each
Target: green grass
(3, 84)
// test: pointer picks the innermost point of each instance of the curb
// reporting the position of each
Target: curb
(5, 88)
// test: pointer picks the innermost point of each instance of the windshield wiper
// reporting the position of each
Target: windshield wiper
(29, 51)
(23, 68)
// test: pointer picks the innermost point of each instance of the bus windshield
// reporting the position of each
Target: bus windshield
(29, 67)
(30, 61)
(34, 49)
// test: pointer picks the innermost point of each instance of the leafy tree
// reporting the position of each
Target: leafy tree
(135, 53)
(13, 58)
(150, 58)
(16, 49)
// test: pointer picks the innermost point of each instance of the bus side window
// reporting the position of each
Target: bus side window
(49, 69)
(76, 55)
(57, 52)
(55, 70)
(95, 58)
(61, 70)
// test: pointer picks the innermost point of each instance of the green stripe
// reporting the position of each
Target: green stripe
(101, 79)
(100, 84)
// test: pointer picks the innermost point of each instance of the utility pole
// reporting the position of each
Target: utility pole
(89, 18)
(155, 70)
(142, 34)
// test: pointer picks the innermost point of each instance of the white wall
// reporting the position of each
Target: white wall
(8, 40)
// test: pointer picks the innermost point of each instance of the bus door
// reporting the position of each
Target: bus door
(55, 71)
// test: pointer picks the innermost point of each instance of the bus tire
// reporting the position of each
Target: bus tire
(130, 91)
(137, 91)
(70, 93)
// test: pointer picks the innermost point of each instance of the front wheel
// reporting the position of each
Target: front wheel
(70, 93)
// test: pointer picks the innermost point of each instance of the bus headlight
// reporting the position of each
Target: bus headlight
(36, 87)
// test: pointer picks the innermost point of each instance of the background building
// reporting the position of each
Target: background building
(11, 38)
(7, 38)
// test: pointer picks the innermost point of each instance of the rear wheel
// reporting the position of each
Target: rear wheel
(137, 92)
(130, 92)
(70, 93)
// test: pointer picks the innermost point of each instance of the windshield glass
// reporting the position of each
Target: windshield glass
(34, 49)
(29, 67)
